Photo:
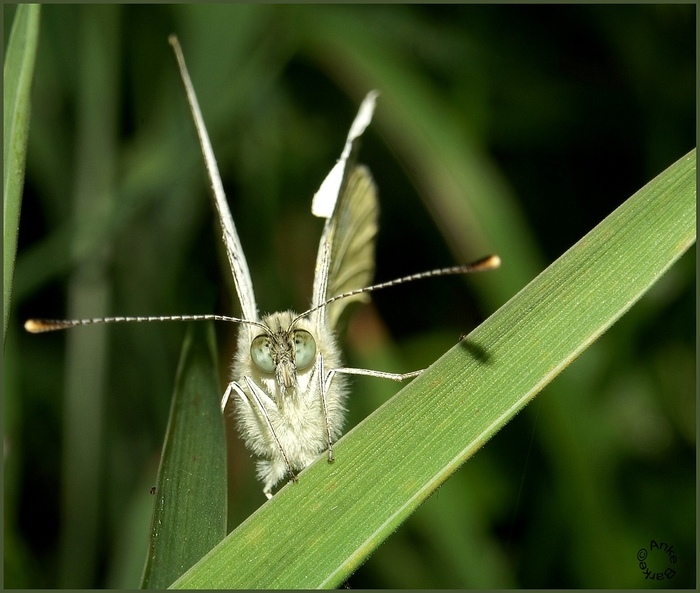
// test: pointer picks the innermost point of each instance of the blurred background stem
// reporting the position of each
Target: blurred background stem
(89, 296)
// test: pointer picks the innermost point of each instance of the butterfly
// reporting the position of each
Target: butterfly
(288, 386)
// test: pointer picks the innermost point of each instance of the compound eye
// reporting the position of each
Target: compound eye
(304, 348)
(261, 355)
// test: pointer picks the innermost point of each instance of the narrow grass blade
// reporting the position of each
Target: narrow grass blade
(317, 532)
(190, 497)
(17, 80)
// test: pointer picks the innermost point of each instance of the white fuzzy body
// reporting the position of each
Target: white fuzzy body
(296, 414)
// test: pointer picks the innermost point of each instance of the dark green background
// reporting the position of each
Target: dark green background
(556, 113)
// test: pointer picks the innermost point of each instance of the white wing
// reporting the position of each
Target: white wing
(349, 242)
(234, 251)
(326, 197)
(348, 200)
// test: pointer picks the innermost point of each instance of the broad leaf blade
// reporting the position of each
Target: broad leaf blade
(17, 79)
(190, 510)
(317, 532)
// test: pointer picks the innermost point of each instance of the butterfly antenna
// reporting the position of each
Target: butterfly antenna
(36, 326)
(490, 262)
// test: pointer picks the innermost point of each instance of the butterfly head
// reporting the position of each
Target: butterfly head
(283, 349)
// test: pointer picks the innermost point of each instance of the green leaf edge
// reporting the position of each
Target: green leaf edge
(17, 80)
(315, 533)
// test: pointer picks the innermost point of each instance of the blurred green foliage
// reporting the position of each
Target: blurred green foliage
(505, 129)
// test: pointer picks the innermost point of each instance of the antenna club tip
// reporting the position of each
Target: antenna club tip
(494, 261)
(34, 326)
(172, 39)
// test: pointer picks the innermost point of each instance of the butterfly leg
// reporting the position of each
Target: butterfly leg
(326, 379)
(257, 393)
(234, 387)
(324, 384)
(226, 396)
(378, 374)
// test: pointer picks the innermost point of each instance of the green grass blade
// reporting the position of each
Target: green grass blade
(190, 509)
(317, 532)
(17, 80)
